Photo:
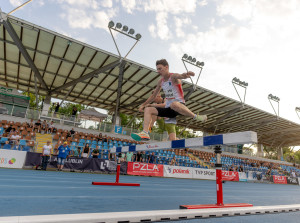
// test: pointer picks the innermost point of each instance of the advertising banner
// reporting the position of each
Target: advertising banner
(230, 176)
(74, 163)
(292, 180)
(204, 174)
(279, 180)
(12, 158)
(145, 169)
(242, 176)
(178, 171)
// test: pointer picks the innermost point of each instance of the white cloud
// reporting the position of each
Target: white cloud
(240, 10)
(170, 6)
(179, 23)
(162, 28)
(86, 14)
(16, 3)
(129, 5)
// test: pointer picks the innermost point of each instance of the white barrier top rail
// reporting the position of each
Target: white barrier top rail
(223, 139)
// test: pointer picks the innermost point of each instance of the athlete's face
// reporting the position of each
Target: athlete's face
(162, 70)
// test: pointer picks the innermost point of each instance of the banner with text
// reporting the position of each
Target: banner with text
(204, 174)
(242, 176)
(292, 180)
(178, 171)
(12, 158)
(230, 176)
(279, 180)
(145, 169)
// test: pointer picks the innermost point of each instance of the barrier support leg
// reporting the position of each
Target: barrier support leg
(219, 185)
(117, 183)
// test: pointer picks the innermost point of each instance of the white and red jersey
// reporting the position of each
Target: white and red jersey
(173, 92)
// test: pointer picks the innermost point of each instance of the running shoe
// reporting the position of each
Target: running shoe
(202, 118)
(142, 136)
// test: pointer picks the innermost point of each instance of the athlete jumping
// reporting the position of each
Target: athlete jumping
(175, 104)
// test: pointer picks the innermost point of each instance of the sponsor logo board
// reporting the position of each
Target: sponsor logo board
(279, 180)
(205, 174)
(12, 158)
(230, 176)
(178, 171)
(145, 169)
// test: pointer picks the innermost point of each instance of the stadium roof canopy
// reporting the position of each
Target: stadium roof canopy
(74, 71)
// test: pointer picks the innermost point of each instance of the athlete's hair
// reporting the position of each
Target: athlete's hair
(163, 62)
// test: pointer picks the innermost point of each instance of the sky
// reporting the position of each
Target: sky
(256, 41)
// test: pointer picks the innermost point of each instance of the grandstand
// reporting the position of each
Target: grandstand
(90, 76)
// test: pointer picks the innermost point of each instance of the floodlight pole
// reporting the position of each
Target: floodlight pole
(236, 81)
(275, 99)
(19, 7)
(297, 109)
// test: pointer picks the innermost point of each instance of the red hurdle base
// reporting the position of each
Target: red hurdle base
(219, 203)
(117, 183)
(203, 206)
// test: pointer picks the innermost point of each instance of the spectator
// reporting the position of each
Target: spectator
(138, 157)
(96, 152)
(44, 126)
(173, 161)
(10, 129)
(128, 156)
(143, 157)
(31, 124)
(27, 148)
(241, 169)
(56, 109)
(17, 145)
(151, 158)
(72, 131)
(37, 126)
(14, 137)
(100, 137)
(46, 154)
(74, 112)
(7, 145)
(51, 128)
(104, 139)
(85, 151)
(63, 153)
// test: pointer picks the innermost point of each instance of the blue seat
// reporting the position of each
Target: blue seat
(22, 142)
(100, 143)
(93, 146)
(88, 141)
(94, 142)
(82, 141)
(1, 131)
(3, 140)
(105, 157)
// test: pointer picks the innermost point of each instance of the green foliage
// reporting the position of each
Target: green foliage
(67, 107)
(32, 101)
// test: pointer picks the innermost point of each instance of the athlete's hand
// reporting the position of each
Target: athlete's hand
(148, 105)
(190, 73)
(141, 108)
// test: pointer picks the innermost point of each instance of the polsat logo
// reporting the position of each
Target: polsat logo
(4, 161)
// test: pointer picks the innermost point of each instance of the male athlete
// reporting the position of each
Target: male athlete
(171, 85)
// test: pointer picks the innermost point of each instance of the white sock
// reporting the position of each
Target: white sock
(195, 116)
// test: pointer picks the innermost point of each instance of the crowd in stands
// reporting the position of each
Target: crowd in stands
(21, 136)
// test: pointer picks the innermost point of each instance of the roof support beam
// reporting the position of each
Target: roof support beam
(24, 52)
(119, 92)
(87, 76)
(227, 115)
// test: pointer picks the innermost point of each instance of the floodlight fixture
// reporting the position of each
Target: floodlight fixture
(276, 100)
(111, 24)
(138, 36)
(236, 81)
(125, 28)
(192, 60)
(131, 32)
(119, 25)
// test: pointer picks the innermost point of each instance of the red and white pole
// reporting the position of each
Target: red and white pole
(218, 165)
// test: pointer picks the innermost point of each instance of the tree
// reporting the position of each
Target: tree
(67, 107)
(32, 101)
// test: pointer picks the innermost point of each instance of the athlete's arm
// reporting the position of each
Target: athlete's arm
(156, 105)
(152, 97)
(183, 76)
